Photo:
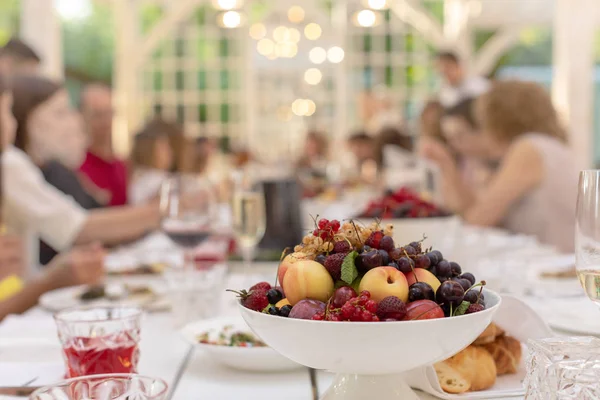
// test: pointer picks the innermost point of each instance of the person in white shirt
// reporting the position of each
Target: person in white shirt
(34, 209)
(458, 85)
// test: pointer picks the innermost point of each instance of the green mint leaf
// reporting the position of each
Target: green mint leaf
(356, 283)
(349, 271)
(462, 308)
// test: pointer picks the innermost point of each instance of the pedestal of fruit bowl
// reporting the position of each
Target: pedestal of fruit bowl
(369, 357)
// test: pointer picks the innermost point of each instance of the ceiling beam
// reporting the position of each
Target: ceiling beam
(494, 48)
(414, 14)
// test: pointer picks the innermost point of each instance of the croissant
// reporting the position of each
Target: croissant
(489, 335)
(506, 352)
(476, 365)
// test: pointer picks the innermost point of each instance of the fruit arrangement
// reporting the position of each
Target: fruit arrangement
(404, 203)
(349, 272)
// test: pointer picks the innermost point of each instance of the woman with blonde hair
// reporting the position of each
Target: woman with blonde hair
(534, 188)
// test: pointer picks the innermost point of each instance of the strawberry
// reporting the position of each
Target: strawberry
(333, 264)
(254, 299)
(391, 307)
(261, 285)
(374, 240)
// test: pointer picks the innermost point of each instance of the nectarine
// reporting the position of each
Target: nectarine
(422, 275)
(289, 260)
(307, 280)
(382, 282)
(423, 309)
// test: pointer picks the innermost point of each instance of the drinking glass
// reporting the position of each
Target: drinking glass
(587, 233)
(248, 217)
(99, 340)
(105, 387)
(188, 207)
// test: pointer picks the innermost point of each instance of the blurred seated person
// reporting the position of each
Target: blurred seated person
(312, 165)
(364, 149)
(464, 138)
(534, 189)
(458, 85)
(102, 168)
(18, 57)
(33, 208)
(394, 148)
(153, 160)
(83, 265)
(430, 121)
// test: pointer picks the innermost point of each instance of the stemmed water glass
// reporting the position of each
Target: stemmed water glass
(248, 216)
(587, 233)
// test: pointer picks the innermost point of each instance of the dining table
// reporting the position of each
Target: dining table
(192, 375)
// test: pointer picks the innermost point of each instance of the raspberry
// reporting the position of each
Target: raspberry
(333, 264)
(323, 223)
(473, 308)
(374, 240)
(261, 285)
(391, 307)
(341, 247)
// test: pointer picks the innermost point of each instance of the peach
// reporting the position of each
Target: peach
(422, 275)
(307, 279)
(289, 260)
(382, 282)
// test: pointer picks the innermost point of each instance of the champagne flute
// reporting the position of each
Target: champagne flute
(249, 220)
(587, 233)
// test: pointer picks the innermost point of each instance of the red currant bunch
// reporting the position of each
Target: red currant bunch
(327, 229)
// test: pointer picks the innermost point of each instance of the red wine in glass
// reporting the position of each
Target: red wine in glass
(186, 236)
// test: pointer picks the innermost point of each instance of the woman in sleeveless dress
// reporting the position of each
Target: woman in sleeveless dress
(534, 189)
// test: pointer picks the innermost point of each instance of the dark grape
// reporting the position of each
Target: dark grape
(468, 276)
(420, 291)
(393, 264)
(395, 254)
(385, 258)
(422, 261)
(471, 296)
(416, 246)
(285, 310)
(273, 310)
(369, 260)
(367, 248)
(443, 269)
(342, 295)
(321, 259)
(435, 257)
(450, 292)
(274, 296)
(386, 243)
(433, 270)
(410, 250)
(463, 282)
(443, 278)
(455, 269)
(405, 264)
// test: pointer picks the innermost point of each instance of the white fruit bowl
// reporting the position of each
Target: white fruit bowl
(369, 357)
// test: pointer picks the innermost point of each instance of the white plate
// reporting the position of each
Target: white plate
(60, 299)
(256, 359)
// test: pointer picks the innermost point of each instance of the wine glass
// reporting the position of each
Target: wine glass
(587, 233)
(248, 216)
(188, 208)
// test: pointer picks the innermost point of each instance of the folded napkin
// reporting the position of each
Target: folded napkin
(520, 322)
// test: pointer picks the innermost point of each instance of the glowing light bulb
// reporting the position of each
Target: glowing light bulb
(313, 76)
(312, 31)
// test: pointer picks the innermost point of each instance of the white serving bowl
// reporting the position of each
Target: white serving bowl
(254, 359)
(441, 232)
(368, 357)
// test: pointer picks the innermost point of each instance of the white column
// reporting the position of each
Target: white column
(125, 75)
(457, 29)
(572, 84)
(339, 20)
(40, 29)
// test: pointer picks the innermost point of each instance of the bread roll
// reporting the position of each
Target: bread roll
(450, 380)
(476, 365)
(506, 352)
(489, 335)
